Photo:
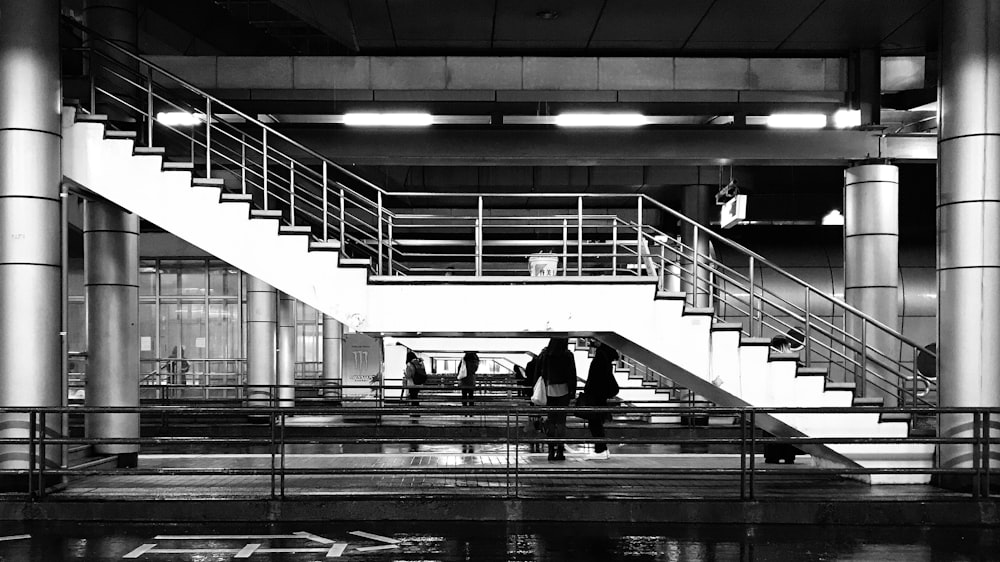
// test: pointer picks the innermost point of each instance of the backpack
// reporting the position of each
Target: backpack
(419, 372)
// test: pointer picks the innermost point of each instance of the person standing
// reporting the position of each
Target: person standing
(601, 386)
(558, 368)
(467, 377)
(414, 375)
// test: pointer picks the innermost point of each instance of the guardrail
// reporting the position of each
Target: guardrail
(510, 473)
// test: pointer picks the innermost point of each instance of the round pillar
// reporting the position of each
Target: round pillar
(286, 350)
(697, 283)
(333, 345)
(30, 225)
(261, 341)
(969, 221)
(871, 268)
(111, 280)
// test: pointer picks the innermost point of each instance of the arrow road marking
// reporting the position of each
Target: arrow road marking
(373, 537)
(140, 551)
(247, 550)
(336, 550)
(312, 537)
(380, 547)
(14, 537)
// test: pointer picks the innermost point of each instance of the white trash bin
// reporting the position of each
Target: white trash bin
(543, 265)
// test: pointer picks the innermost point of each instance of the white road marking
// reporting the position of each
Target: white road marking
(380, 547)
(312, 537)
(336, 550)
(247, 550)
(139, 551)
(373, 537)
(14, 537)
(318, 539)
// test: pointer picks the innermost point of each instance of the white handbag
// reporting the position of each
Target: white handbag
(462, 373)
(540, 395)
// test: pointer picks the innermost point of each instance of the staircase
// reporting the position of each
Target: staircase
(327, 244)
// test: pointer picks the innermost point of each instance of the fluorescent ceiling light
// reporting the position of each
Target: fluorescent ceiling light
(833, 218)
(796, 121)
(930, 106)
(179, 118)
(388, 119)
(847, 118)
(601, 120)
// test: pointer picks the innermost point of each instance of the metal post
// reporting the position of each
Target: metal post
(93, 83)
(208, 137)
(743, 454)
(389, 248)
(695, 288)
(753, 331)
(614, 249)
(663, 268)
(807, 329)
(149, 106)
(243, 164)
(565, 248)
(986, 452)
(281, 450)
(273, 453)
(753, 453)
(977, 475)
(291, 191)
(864, 356)
(638, 236)
(32, 457)
(326, 202)
(579, 236)
(479, 238)
(913, 387)
(264, 152)
(343, 223)
(378, 219)
(41, 454)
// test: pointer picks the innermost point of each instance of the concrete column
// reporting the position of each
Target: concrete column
(116, 20)
(697, 207)
(111, 262)
(261, 341)
(30, 225)
(333, 345)
(871, 268)
(111, 279)
(969, 220)
(286, 350)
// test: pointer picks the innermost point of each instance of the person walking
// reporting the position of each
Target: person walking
(558, 368)
(414, 375)
(600, 386)
(467, 377)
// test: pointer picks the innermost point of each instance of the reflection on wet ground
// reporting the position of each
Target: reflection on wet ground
(488, 542)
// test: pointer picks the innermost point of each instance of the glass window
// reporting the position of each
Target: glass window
(147, 278)
(77, 329)
(223, 279)
(224, 330)
(76, 277)
(182, 329)
(184, 278)
(147, 333)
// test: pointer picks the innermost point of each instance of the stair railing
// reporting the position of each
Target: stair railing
(311, 193)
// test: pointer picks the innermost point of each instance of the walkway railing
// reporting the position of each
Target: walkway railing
(495, 234)
(282, 458)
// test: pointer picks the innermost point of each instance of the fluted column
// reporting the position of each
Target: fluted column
(261, 341)
(286, 350)
(333, 345)
(969, 220)
(871, 270)
(30, 225)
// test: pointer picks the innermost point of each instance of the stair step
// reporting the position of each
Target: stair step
(876, 401)
(811, 372)
(894, 417)
(778, 356)
(329, 245)
(236, 198)
(208, 182)
(149, 151)
(262, 214)
(91, 117)
(112, 134)
(355, 262)
(755, 341)
(670, 295)
(285, 229)
(183, 166)
(840, 386)
(727, 327)
(695, 311)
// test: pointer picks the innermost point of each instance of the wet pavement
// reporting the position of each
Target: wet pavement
(488, 542)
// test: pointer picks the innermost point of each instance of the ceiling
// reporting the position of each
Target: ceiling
(783, 28)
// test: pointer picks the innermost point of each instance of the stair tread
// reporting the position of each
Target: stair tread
(840, 386)
(265, 214)
(327, 245)
(113, 134)
(91, 117)
(779, 356)
(868, 401)
(755, 341)
(669, 295)
(894, 417)
(237, 197)
(287, 229)
(693, 310)
(355, 261)
(178, 165)
(727, 326)
(214, 182)
(149, 150)
(811, 371)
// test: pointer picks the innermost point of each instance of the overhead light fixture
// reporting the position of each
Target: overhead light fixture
(179, 118)
(833, 218)
(601, 120)
(388, 119)
(929, 106)
(847, 118)
(796, 121)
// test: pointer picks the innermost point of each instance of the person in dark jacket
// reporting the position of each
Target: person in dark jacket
(534, 421)
(558, 368)
(600, 386)
(467, 377)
